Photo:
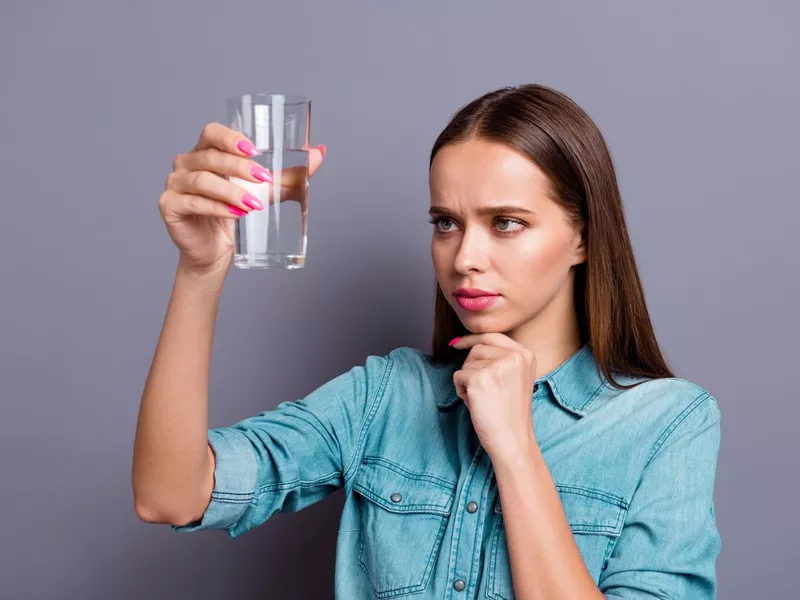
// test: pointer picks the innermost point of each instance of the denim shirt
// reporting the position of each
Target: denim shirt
(422, 516)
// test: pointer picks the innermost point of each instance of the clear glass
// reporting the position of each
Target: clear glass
(278, 125)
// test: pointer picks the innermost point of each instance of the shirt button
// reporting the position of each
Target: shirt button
(459, 585)
(396, 497)
(535, 386)
(472, 507)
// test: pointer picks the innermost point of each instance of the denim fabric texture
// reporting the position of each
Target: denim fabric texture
(422, 517)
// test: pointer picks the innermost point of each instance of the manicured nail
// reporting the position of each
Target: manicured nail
(323, 149)
(454, 341)
(247, 147)
(252, 202)
(261, 173)
(236, 211)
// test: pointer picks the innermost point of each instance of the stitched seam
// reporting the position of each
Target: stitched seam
(408, 588)
(576, 528)
(562, 401)
(220, 493)
(618, 524)
(353, 465)
(492, 591)
(607, 552)
(475, 563)
(447, 485)
(433, 555)
(222, 500)
(594, 395)
(477, 458)
(684, 414)
(592, 493)
(398, 591)
(452, 551)
(393, 591)
(271, 487)
(452, 398)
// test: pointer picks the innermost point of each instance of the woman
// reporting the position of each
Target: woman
(543, 450)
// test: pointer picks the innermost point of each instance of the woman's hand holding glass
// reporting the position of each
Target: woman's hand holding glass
(199, 204)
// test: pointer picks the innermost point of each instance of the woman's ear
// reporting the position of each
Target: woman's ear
(578, 250)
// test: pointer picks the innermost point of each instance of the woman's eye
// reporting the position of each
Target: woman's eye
(507, 227)
(438, 221)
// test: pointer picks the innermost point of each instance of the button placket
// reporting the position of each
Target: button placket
(465, 554)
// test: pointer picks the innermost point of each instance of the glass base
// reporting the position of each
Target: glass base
(269, 261)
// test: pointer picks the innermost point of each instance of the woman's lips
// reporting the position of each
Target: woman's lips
(477, 302)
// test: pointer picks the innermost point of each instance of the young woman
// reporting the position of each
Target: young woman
(543, 450)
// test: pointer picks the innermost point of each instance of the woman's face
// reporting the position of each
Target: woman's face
(522, 252)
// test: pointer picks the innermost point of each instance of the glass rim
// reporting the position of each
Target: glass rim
(265, 98)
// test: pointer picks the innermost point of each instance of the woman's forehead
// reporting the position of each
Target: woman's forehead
(484, 172)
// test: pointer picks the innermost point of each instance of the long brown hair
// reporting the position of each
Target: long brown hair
(562, 140)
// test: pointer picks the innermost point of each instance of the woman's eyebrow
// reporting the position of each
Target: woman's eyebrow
(485, 210)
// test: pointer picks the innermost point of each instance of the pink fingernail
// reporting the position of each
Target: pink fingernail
(252, 202)
(454, 341)
(247, 147)
(261, 173)
(237, 211)
(323, 148)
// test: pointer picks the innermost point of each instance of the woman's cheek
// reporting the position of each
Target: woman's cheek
(540, 264)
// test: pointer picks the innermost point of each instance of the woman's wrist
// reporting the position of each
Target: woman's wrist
(211, 278)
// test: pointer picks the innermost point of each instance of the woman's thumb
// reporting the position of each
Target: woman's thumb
(315, 157)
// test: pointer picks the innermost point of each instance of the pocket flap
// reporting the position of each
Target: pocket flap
(589, 510)
(401, 491)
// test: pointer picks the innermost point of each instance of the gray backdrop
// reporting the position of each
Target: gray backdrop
(698, 101)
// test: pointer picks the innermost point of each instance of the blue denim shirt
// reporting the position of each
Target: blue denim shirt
(422, 515)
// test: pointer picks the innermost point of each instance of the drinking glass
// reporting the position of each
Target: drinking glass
(278, 125)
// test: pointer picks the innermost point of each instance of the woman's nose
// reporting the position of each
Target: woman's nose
(472, 254)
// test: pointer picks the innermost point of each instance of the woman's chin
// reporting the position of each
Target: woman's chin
(481, 322)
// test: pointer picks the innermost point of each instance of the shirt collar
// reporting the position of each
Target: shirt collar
(574, 384)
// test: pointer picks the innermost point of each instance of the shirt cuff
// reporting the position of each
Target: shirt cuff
(235, 478)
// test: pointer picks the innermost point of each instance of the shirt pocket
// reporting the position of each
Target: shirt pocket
(403, 520)
(595, 518)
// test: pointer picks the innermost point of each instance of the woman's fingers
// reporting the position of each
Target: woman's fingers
(222, 163)
(223, 153)
(217, 135)
(228, 165)
(486, 352)
(223, 150)
(182, 205)
(214, 187)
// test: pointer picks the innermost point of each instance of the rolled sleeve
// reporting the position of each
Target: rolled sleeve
(235, 480)
(670, 542)
(287, 458)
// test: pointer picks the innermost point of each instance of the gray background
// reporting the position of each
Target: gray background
(698, 101)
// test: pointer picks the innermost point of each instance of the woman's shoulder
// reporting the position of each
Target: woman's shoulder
(674, 391)
(674, 386)
(670, 403)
